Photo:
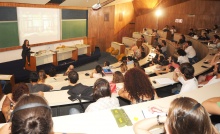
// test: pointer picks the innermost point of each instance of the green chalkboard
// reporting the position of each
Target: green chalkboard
(74, 28)
(9, 34)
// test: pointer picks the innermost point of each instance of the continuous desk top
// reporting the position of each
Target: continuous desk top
(104, 122)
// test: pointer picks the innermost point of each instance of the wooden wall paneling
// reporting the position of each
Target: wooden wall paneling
(124, 21)
(206, 15)
(102, 30)
(12, 4)
(146, 21)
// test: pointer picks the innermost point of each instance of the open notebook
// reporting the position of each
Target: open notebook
(148, 114)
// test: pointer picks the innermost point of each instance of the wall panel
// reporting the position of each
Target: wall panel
(125, 26)
(115, 28)
(102, 30)
(206, 15)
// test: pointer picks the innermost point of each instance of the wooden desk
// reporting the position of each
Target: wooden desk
(136, 35)
(41, 59)
(8, 78)
(119, 46)
(83, 49)
(149, 39)
(67, 53)
(129, 41)
(104, 122)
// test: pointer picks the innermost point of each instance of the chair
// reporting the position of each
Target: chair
(109, 50)
(115, 52)
(119, 57)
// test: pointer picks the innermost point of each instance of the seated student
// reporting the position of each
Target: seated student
(191, 32)
(130, 60)
(173, 30)
(73, 86)
(42, 77)
(145, 31)
(31, 115)
(137, 87)
(34, 86)
(154, 33)
(182, 40)
(166, 28)
(136, 63)
(215, 40)
(137, 53)
(215, 78)
(70, 68)
(118, 77)
(159, 58)
(215, 29)
(11, 99)
(102, 96)
(142, 39)
(203, 79)
(170, 67)
(106, 65)
(97, 72)
(51, 77)
(212, 106)
(123, 67)
(124, 59)
(182, 58)
(185, 75)
(155, 43)
(203, 37)
(143, 54)
(164, 48)
(182, 113)
(190, 52)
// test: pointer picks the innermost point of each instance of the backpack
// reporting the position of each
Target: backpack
(86, 94)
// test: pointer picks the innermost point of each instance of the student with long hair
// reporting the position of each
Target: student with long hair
(185, 116)
(97, 72)
(118, 77)
(102, 96)
(31, 114)
(137, 87)
(11, 99)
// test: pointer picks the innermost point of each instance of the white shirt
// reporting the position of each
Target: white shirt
(103, 103)
(188, 85)
(183, 59)
(164, 49)
(213, 81)
(190, 52)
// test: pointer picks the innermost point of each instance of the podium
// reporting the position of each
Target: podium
(40, 59)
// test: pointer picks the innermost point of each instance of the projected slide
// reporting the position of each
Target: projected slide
(38, 24)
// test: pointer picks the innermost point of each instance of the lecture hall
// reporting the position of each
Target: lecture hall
(109, 66)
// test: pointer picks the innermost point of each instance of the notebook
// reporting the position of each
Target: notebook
(107, 71)
(148, 114)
